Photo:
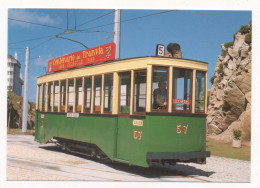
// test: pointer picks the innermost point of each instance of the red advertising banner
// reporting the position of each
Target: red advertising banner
(181, 101)
(90, 56)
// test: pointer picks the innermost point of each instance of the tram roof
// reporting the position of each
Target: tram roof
(125, 59)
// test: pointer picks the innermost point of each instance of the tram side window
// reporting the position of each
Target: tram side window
(124, 95)
(140, 91)
(70, 95)
(97, 94)
(87, 93)
(43, 97)
(182, 88)
(50, 91)
(200, 92)
(40, 98)
(78, 94)
(159, 88)
(63, 95)
(56, 96)
(108, 91)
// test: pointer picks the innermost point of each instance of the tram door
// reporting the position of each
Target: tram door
(123, 126)
(129, 131)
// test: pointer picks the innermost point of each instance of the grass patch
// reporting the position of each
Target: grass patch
(19, 131)
(226, 150)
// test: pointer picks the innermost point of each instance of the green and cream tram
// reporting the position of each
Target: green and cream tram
(108, 110)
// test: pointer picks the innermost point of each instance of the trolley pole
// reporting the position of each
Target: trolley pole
(117, 32)
(25, 93)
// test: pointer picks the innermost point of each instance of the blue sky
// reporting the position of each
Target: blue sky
(199, 33)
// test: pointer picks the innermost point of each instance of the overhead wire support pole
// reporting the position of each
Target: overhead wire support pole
(25, 93)
(75, 19)
(67, 19)
(117, 32)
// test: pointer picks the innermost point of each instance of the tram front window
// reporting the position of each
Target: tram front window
(159, 87)
(181, 89)
(200, 92)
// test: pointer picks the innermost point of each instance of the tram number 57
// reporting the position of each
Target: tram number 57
(138, 135)
(179, 130)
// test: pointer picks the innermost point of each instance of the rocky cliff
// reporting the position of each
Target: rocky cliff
(230, 95)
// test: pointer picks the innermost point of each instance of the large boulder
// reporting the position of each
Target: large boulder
(234, 100)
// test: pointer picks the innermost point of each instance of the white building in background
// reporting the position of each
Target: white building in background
(14, 77)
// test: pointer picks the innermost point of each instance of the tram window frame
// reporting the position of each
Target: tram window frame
(78, 94)
(70, 107)
(191, 91)
(87, 109)
(43, 97)
(110, 94)
(56, 96)
(97, 98)
(120, 113)
(153, 89)
(135, 95)
(205, 90)
(50, 97)
(40, 97)
(63, 95)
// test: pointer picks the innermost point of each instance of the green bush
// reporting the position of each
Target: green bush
(244, 29)
(248, 38)
(237, 134)
(228, 44)
(212, 79)
(220, 69)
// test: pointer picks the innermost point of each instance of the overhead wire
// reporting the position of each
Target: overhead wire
(28, 40)
(35, 23)
(86, 30)
(95, 18)
(36, 46)
(15, 48)
(131, 19)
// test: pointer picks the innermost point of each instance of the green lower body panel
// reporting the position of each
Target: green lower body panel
(131, 140)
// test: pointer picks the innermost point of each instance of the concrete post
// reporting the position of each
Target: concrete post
(25, 93)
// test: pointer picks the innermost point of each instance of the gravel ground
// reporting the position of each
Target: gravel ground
(14, 173)
(217, 169)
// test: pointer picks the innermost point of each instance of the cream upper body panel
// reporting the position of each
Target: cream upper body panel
(121, 66)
